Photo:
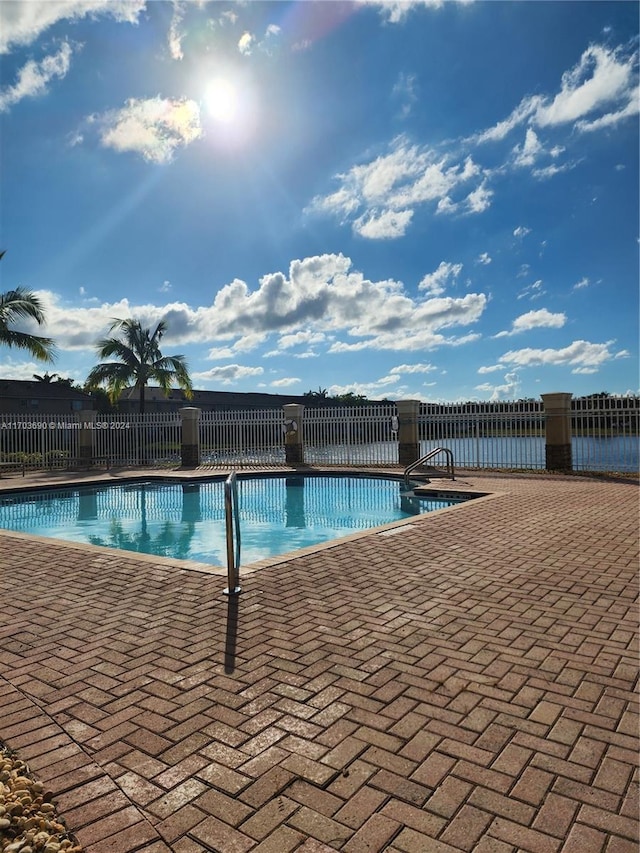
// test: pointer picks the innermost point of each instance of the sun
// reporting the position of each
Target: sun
(221, 99)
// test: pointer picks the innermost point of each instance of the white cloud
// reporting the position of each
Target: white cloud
(603, 81)
(373, 390)
(249, 342)
(153, 128)
(381, 195)
(435, 283)
(423, 339)
(584, 357)
(404, 90)
(532, 291)
(602, 76)
(499, 131)
(390, 379)
(412, 368)
(384, 226)
(20, 370)
(321, 296)
(245, 343)
(446, 205)
(22, 23)
(532, 151)
(479, 199)
(521, 231)
(541, 319)
(286, 382)
(300, 338)
(395, 11)
(246, 43)
(552, 170)
(509, 389)
(228, 17)
(484, 259)
(78, 328)
(220, 353)
(175, 34)
(579, 354)
(580, 285)
(528, 152)
(230, 374)
(613, 118)
(34, 77)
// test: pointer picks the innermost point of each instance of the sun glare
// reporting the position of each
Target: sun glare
(221, 99)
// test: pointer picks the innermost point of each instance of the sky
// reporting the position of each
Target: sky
(406, 200)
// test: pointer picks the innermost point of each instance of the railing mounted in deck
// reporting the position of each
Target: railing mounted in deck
(232, 526)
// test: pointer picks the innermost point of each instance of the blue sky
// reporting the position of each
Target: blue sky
(405, 200)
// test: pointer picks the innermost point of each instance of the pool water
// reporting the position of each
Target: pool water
(186, 521)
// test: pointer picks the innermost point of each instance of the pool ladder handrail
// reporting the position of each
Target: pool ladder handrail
(232, 525)
(448, 453)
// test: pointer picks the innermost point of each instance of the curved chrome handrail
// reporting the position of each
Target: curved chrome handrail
(448, 453)
(232, 525)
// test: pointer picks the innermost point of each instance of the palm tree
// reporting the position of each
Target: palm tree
(18, 304)
(138, 360)
(320, 394)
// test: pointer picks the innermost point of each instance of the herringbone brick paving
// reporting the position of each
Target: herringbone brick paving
(466, 683)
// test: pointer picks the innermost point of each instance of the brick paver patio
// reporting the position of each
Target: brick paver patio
(466, 683)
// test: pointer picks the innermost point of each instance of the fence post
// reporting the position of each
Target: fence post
(190, 437)
(408, 441)
(293, 443)
(557, 427)
(86, 434)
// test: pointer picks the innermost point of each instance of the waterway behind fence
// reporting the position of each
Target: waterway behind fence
(616, 454)
(604, 436)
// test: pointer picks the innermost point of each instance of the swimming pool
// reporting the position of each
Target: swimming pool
(185, 519)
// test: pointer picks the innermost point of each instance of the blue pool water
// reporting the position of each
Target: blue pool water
(186, 520)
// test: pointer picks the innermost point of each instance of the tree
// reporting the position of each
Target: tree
(138, 361)
(68, 382)
(23, 304)
(320, 394)
(56, 379)
(101, 400)
(350, 398)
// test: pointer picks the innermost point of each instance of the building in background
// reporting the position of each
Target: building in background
(18, 397)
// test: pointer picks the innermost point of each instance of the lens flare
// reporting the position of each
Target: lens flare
(221, 98)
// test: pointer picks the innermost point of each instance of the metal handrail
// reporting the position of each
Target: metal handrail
(448, 453)
(232, 524)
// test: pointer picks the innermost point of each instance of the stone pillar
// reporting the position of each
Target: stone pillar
(86, 434)
(408, 440)
(190, 444)
(557, 425)
(293, 443)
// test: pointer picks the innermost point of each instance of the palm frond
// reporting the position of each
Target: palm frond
(18, 303)
(41, 348)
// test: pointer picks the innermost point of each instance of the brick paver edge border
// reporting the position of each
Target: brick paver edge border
(86, 771)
